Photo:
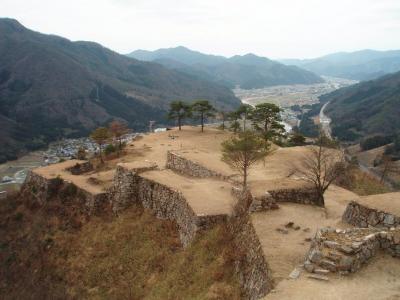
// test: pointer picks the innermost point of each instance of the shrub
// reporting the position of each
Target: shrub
(34, 189)
(18, 216)
(109, 149)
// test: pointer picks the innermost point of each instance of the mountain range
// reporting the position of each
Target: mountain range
(359, 65)
(248, 71)
(51, 87)
(365, 109)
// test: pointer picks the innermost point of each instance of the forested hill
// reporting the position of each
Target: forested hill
(51, 87)
(368, 108)
(248, 71)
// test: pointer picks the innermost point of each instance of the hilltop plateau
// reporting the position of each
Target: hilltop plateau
(204, 247)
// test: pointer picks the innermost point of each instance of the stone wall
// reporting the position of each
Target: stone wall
(187, 167)
(166, 203)
(39, 188)
(263, 203)
(304, 195)
(362, 216)
(251, 266)
(345, 251)
(123, 192)
(36, 186)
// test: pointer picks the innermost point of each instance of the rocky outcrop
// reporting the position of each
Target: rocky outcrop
(184, 166)
(363, 216)
(345, 251)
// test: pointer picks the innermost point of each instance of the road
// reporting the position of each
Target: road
(325, 121)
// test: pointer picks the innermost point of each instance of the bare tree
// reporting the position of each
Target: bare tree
(242, 152)
(118, 129)
(321, 166)
(100, 136)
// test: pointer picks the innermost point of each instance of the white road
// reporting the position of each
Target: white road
(325, 121)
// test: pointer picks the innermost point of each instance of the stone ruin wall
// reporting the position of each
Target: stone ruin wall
(362, 216)
(187, 167)
(166, 203)
(271, 198)
(38, 187)
(251, 266)
(346, 251)
(304, 195)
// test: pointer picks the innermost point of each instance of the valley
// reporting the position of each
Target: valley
(165, 150)
(287, 96)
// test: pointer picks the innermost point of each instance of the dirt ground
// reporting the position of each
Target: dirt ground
(104, 178)
(388, 202)
(204, 148)
(284, 252)
(378, 280)
(206, 196)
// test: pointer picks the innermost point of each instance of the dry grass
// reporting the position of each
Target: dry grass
(53, 252)
(361, 183)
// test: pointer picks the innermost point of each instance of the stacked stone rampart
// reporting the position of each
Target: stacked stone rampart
(251, 265)
(304, 195)
(166, 203)
(41, 188)
(182, 165)
(263, 203)
(132, 187)
(363, 216)
(345, 251)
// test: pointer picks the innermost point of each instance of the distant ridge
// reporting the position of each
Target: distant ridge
(359, 65)
(51, 87)
(247, 71)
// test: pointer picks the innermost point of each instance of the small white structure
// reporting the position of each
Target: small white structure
(7, 179)
(160, 129)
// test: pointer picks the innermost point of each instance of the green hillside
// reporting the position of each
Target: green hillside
(365, 109)
(51, 87)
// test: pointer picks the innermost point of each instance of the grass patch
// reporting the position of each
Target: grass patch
(361, 183)
(133, 256)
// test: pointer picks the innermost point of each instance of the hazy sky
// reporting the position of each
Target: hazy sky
(272, 28)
